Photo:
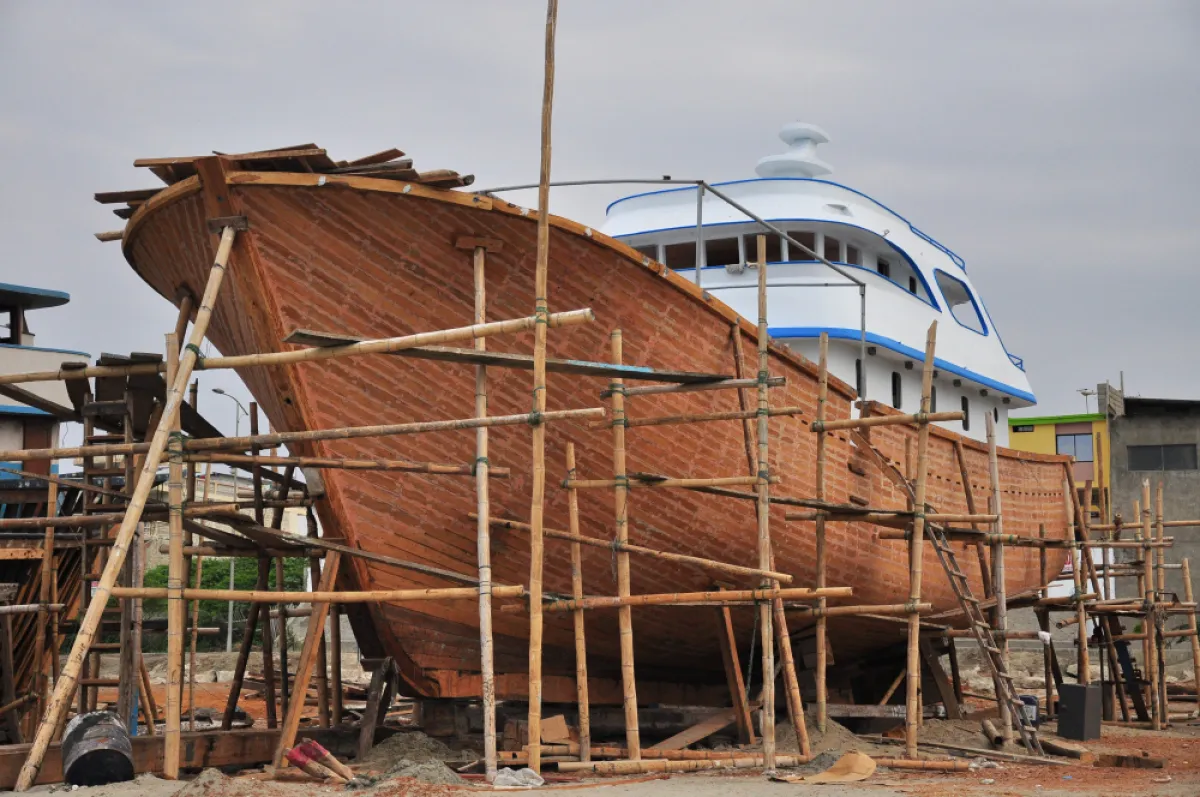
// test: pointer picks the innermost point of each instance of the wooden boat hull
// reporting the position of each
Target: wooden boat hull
(377, 258)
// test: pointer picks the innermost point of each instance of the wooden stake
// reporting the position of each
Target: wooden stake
(822, 621)
(766, 616)
(542, 316)
(913, 692)
(998, 580)
(581, 672)
(308, 657)
(175, 605)
(621, 506)
(56, 710)
(199, 560)
(1043, 616)
(733, 676)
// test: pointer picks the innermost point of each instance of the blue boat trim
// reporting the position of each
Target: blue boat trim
(958, 261)
(932, 302)
(20, 409)
(40, 348)
(838, 333)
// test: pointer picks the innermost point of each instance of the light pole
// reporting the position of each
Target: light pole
(237, 418)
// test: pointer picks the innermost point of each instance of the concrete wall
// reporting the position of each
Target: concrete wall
(1150, 423)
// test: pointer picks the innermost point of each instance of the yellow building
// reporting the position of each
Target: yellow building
(1084, 437)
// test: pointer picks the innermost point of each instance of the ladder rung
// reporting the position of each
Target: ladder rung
(991, 649)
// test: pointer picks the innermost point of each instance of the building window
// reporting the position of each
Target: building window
(1166, 457)
(722, 252)
(897, 393)
(883, 267)
(833, 249)
(1023, 428)
(996, 414)
(966, 411)
(858, 385)
(912, 285)
(774, 248)
(1075, 445)
(933, 398)
(679, 256)
(853, 255)
(804, 238)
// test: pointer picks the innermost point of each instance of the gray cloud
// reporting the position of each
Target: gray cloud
(1048, 144)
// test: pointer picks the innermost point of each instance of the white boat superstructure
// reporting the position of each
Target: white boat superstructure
(883, 284)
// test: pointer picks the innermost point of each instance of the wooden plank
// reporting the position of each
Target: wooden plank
(701, 730)
(244, 157)
(18, 393)
(306, 337)
(378, 700)
(733, 675)
(941, 682)
(850, 711)
(15, 554)
(379, 157)
(132, 195)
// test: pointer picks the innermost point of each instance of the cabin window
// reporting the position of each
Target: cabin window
(858, 385)
(853, 255)
(883, 267)
(774, 248)
(721, 252)
(966, 411)
(1166, 457)
(897, 392)
(933, 398)
(912, 285)
(804, 238)
(1023, 428)
(679, 256)
(996, 414)
(833, 249)
(649, 250)
(961, 302)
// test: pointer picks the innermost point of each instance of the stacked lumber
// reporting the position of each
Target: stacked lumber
(390, 164)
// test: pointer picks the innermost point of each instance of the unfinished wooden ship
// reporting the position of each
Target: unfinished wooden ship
(369, 249)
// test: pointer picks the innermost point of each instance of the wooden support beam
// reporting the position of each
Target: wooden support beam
(733, 675)
(583, 701)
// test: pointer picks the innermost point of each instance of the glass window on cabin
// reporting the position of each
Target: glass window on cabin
(966, 411)
(853, 255)
(833, 249)
(805, 238)
(774, 248)
(961, 302)
(649, 250)
(884, 267)
(721, 252)
(897, 390)
(1075, 445)
(679, 256)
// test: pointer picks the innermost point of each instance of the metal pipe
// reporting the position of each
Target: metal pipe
(701, 257)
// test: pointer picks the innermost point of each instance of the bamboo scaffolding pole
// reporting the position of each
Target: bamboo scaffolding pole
(1043, 617)
(621, 537)
(110, 518)
(765, 614)
(341, 463)
(308, 657)
(595, 542)
(581, 677)
(1192, 632)
(42, 644)
(1151, 649)
(483, 541)
(542, 315)
(1159, 553)
(378, 346)
(640, 766)
(916, 560)
(1167, 524)
(737, 415)
(289, 596)
(721, 384)
(853, 611)
(918, 418)
(288, 438)
(75, 484)
(999, 581)
(822, 615)
(718, 597)
(175, 580)
(624, 482)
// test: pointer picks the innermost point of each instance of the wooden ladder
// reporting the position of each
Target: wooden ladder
(982, 631)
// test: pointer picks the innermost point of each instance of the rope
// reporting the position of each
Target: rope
(479, 461)
(194, 349)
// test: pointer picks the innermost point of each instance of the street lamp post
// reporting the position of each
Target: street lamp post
(237, 418)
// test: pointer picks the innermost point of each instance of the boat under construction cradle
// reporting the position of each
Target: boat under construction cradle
(376, 249)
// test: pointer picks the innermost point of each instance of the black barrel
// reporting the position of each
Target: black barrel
(96, 750)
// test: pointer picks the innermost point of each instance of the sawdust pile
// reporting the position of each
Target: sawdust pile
(837, 738)
(412, 754)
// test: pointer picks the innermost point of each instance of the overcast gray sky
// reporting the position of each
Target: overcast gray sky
(1051, 144)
